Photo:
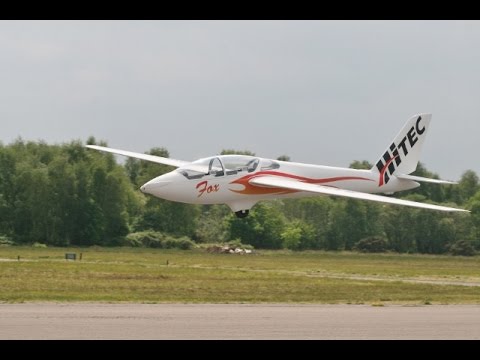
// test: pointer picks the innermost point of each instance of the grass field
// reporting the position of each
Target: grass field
(194, 276)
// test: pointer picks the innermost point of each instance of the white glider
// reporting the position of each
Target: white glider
(241, 181)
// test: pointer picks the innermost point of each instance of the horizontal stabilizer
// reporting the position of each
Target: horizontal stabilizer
(270, 181)
(422, 179)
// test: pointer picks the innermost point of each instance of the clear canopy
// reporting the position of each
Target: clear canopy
(239, 162)
(225, 165)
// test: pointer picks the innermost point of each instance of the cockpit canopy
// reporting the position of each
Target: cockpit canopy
(236, 163)
(225, 165)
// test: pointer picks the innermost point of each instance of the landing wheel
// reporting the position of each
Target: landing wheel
(242, 213)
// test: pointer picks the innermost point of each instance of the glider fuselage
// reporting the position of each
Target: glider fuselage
(227, 180)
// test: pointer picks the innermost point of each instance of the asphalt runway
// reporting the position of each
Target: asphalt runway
(212, 321)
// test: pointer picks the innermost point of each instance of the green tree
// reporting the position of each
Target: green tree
(168, 217)
(446, 232)
(262, 228)
(397, 222)
(335, 239)
(7, 189)
(361, 165)
(314, 211)
(467, 187)
(140, 171)
(109, 190)
(284, 158)
(30, 219)
(61, 200)
(114, 209)
(85, 229)
(474, 206)
(236, 152)
(298, 235)
(292, 236)
(352, 222)
(462, 248)
(210, 225)
(425, 228)
(91, 140)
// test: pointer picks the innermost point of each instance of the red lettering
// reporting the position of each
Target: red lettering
(203, 187)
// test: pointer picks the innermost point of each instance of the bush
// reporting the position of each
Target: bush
(237, 243)
(372, 244)
(144, 239)
(6, 241)
(462, 248)
(154, 239)
(183, 243)
(39, 245)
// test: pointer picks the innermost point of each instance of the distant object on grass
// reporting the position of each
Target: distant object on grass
(70, 256)
(227, 249)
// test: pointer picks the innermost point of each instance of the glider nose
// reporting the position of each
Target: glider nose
(162, 186)
(154, 187)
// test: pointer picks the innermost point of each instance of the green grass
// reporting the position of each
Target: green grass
(141, 275)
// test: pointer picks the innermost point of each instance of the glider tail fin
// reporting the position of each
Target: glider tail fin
(402, 156)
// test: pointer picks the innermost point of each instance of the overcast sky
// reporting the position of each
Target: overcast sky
(325, 92)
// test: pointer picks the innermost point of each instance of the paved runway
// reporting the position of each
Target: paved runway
(175, 321)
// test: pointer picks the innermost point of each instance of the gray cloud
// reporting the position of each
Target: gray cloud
(322, 92)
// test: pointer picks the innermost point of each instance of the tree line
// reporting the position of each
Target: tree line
(67, 195)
